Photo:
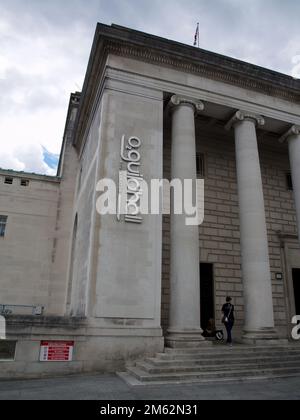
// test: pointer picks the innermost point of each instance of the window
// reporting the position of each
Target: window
(289, 181)
(7, 350)
(8, 180)
(3, 220)
(24, 182)
(200, 165)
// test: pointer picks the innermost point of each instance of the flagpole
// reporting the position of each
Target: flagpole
(197, 36)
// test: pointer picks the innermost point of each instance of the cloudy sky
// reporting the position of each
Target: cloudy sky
(45, 45)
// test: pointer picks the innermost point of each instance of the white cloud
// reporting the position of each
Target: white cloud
(44, 49)
(27, 158)
(8, 160)
(38, 71)
(20, 129)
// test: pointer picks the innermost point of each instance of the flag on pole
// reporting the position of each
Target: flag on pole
(197, 37)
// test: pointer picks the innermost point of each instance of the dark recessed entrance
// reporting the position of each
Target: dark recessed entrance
(296, 281)
(206, 294)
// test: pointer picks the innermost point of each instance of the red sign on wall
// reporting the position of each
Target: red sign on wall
(56, 351)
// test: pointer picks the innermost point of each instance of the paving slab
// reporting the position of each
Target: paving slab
(111, 387)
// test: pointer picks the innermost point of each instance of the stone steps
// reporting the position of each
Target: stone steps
(227, 354)
(219, 361)
(217, 348)
(214, 367)
(217, 364)
(221, 374)
(133, 381)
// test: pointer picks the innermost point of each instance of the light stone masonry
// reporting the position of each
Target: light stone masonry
(122, 291)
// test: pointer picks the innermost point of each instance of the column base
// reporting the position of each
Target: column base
(185, 339)
(262, 336)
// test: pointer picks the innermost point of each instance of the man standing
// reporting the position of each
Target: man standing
(228, 318)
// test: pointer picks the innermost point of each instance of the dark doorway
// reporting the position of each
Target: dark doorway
(207, 294)
(296, 281)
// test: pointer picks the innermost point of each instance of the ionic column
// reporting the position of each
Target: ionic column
(258, 302)
(184, 330)
(293, 139)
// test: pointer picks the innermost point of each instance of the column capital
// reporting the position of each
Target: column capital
(293, 131)
(243, 116)
(177, 100)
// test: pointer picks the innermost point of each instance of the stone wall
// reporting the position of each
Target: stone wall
(27, 248)
(83, 214)
(280, 215)
(94, 349)
(34, 254)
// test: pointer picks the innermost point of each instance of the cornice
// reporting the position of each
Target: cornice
(210, 70)
(125, 42)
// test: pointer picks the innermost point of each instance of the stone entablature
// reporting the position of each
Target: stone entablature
(123, 42)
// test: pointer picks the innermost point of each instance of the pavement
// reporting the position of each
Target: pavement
(111, 387)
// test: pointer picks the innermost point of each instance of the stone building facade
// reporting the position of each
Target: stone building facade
(120, 290)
